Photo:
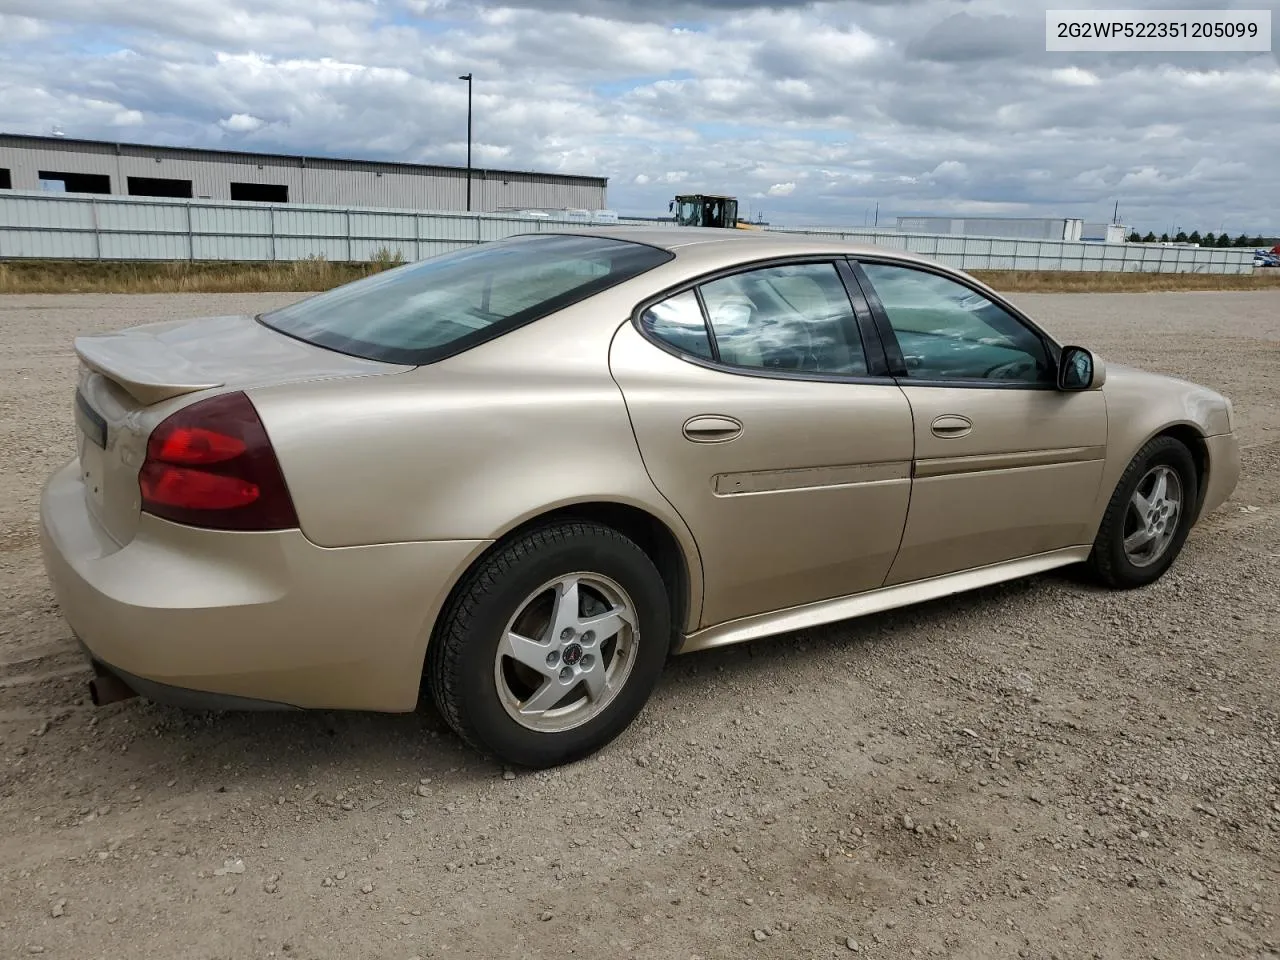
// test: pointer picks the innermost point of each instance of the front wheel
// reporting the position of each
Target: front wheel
(1149, 516)
(551, 646)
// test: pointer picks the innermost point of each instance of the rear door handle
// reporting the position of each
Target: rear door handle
(712, 429)
(952, 425)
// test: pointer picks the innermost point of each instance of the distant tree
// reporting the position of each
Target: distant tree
(1149, 238)
(1195, 237)
(1210, 239)
(1134, 237)
(1164, 238)
(1181, 237)
(1257, 242)
(1224, 239)
(1242, 241)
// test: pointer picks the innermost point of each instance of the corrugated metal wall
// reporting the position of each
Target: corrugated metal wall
(36, 225)
(994, 253)
(63, 226)
(1010, 228)
(308, 180)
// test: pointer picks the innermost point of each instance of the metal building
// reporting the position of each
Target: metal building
(95, 166)
(1105, 232)
(1011, 228)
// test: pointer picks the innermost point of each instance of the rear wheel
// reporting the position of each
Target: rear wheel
(551, 646)
(1149, 516)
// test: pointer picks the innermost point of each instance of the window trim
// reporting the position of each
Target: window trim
(893, 349)
(872, 342)
(861, 322)
(712, 342)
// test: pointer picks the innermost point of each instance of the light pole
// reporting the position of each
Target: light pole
(467, 77)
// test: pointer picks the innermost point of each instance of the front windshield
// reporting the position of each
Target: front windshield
(440, 306)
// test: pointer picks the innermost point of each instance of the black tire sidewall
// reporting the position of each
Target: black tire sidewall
(481, 711)
(1164, 451)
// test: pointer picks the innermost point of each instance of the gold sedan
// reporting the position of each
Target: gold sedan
(531, 470)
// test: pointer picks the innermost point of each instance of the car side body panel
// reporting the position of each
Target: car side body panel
(1021, 481)
(1142, 405)
(481, 442)
(805, 502)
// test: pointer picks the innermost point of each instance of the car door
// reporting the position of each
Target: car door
(1005, 465)
(771, 428)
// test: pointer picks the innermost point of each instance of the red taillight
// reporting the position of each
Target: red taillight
(182, 487)
(198, 445)
(212, 465)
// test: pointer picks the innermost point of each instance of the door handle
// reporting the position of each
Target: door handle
(712, 429)
(951, 426)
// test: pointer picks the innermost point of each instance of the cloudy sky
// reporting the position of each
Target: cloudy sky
(808, 112)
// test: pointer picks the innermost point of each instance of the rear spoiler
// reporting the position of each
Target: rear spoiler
(142, 365)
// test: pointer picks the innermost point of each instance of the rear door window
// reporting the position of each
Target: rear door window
(795, 318)
(678, 321)
(791, 318)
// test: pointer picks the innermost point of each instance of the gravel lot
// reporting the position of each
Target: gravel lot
(1037, 770)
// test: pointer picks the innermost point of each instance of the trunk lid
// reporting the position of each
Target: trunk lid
(132, 379)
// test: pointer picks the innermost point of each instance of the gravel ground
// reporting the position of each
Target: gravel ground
(1036, 770)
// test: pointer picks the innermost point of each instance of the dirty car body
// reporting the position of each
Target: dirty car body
(531, 470)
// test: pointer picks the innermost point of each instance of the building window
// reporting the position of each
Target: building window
(6, 181)
(158, 187)
(260, 192)
(75, 182)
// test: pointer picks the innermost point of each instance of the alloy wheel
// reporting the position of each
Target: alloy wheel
(566, 653)
(1151, 519)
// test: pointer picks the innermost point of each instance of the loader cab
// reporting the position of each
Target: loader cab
(705, 210)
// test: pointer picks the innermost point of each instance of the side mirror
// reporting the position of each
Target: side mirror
(1077, 370)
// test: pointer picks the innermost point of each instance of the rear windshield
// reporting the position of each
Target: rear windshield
(440, 306)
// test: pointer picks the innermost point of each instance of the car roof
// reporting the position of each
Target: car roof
(699, 249)
(750, 243)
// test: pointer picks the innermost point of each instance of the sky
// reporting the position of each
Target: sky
(810, 113)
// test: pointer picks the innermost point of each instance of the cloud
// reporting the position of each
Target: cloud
(966, 38)
(950, 170)
(14, 30)
(810, 112)
(1074, 77)
(241, 123)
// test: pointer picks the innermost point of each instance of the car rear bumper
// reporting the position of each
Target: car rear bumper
(1224, 471)
(121, 684)
(211, 618)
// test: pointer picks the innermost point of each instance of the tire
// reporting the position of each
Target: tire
(1109, 561)
(478, 683)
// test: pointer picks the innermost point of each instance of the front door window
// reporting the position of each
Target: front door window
(950, 332)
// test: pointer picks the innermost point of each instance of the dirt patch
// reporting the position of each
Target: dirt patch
(1035, 770)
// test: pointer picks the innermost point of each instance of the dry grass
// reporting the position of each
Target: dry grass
(55, 276)
(317, 273)
(1056, 281)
